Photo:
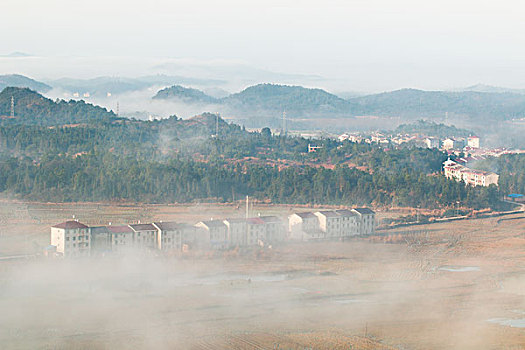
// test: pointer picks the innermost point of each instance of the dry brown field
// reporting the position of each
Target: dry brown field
(455, 285)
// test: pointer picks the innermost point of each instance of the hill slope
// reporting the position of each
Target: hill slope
(31, 108)
(432, 104)
(17, 80)
(295, 100)
(184, 94)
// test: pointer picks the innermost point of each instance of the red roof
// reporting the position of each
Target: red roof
(68, 225)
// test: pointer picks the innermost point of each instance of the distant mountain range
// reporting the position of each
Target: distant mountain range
(474, 104)
(17, 80)
(297, 101)
(101, 86)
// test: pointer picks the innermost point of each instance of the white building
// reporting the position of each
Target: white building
(71, 239)
(304, 227)
(217, 232)
(473, 141)
(349, 222)
(329, 223)
(237, 232)
(145, 235)
(274, 227)
(121, 237)
(432, 142)
(169, 236)
(100, 240)
(366, 220)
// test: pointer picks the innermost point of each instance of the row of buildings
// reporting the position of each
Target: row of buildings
(74, 239)
(453, 170)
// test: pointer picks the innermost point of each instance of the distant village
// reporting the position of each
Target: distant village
(75, 239)
(464, 150)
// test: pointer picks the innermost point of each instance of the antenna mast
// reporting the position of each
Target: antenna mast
(284, 123)
(217, 125)
(118, 109)
(12, 107)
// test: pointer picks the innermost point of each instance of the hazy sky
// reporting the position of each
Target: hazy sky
(367, 44)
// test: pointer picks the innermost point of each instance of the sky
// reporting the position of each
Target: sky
(357, 45)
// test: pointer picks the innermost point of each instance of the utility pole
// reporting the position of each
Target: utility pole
(247, 207)
(12, 107)
(217, 125)
(284, 123)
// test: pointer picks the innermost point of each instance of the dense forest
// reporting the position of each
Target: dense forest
(103, 157)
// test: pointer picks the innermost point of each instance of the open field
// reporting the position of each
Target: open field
(455, 285)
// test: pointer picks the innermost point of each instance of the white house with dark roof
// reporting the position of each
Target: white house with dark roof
(100, 240)
(304, 226)
(71, 239)
(275, 229)
(329, 223)
(121, 237)
(349, 222)
(169, 236)
(237, 231)
(217, 232)
(366, 220)
(145, 235)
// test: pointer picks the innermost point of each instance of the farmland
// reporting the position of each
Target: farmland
(454, 285)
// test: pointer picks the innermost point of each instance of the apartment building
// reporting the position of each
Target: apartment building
(169, 236)
(71, 239)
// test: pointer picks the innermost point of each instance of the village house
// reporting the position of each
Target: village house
(329, 223)
(145, 235)
(366, 220)
(121, 237)
(237, 232)
(71, 238)
(349, 222)
(452, 143)
(274, 227)
(304, 226)
(256, 231)
(217, 232)
(100, 240)
(453, 170)
(473, 141)
(169, 236)
(432, 142)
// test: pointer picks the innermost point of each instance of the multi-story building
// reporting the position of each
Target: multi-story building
(473, 141)
(432, 142)
(366, 220)
(237, 232)
(329, 223)
(145, 235)
(217, 231)
(472, 177)
(349, 222)
(100, 240)
(169, 236)
(71, 238)
(256, 231)
(304, 226)
(121, 237)
(274, 227)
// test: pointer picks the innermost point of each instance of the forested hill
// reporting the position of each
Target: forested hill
(17, 80)
(430, 128)
(31, 108)
(298, 101)
(429, 104)
(184, 94)
(295, 100)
